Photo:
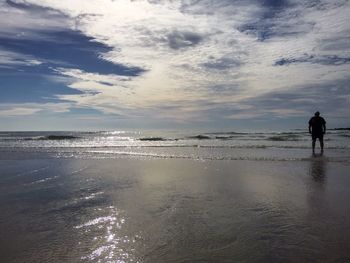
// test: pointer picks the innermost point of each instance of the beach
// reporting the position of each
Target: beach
(165, 131)
(144, 209)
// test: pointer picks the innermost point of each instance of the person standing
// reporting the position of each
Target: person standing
(317, 128)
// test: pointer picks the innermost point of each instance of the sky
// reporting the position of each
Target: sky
(102, 64)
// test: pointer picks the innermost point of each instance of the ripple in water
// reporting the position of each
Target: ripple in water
(107, 242)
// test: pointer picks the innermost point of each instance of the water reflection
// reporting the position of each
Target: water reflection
(107, 242)
(318, 168)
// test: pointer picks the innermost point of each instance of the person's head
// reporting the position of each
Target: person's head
(317, 113)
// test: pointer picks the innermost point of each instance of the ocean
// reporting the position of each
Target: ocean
(272, 145)
(168, 196)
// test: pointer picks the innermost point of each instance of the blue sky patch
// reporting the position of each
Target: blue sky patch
(26, 86)
(69, 49)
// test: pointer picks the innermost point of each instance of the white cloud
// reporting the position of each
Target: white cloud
(24, 109)
(18, 111)
(19, 22)
(10, 59)
(190, 47)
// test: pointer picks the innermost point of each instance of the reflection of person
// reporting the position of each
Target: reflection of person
(318, 169)
(317, 127)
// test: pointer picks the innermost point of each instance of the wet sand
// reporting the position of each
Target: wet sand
(174, 210)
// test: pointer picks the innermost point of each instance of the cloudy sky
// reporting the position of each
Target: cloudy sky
(103, 64)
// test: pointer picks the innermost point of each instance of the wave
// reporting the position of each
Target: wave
(284, 137)
(242, 138)
(200, 137)
(259, 136)
(340, 129)
(259, 133)
(153, 139)
(57, 137)
(231, 133)
(225, 137)
(51, 147)
(114, 154)
(344, 135)
(254, 146)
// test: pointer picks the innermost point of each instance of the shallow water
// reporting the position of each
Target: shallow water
(200, 145)
(173, 210)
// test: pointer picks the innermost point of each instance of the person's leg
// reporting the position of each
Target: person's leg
(321, 143)
(313, 144)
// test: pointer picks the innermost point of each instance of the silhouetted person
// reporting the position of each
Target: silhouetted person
(317, 127)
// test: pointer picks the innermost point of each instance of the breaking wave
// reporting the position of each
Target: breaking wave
(285, 137)
(153, 139)
(58, 137)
